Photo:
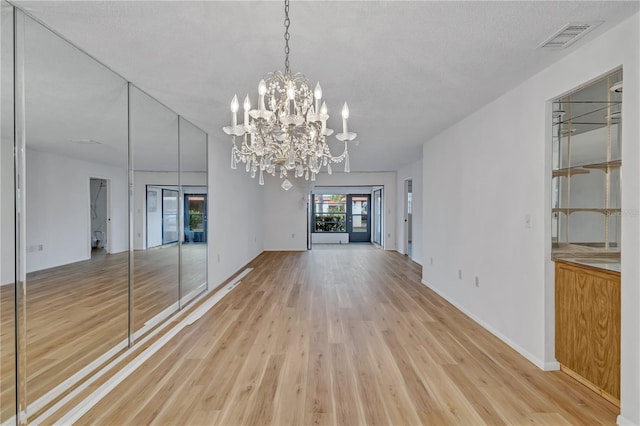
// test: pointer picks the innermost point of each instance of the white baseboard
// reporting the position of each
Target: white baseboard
(551, 366)
(622, 421)
(529, 356)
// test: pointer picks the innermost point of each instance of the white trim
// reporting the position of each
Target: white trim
(623, 421)
(92, 399)
(533, 359)
(45, 399)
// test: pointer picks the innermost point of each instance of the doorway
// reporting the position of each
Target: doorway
(99, 206)
(408, 222)
(358, 223)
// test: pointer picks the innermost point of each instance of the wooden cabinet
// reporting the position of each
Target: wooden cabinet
(587, 307)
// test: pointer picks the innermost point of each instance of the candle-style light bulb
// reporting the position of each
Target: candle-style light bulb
(345, 111)
(234, 104)
(247, 106)
(291, 94)
(345, 115)
(317, 93)
(234, 109)
(262, 90)
(323, 112)
(291, 91)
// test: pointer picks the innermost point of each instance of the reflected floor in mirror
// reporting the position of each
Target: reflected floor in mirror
(342, 335)
(7, 358)
(77, 312)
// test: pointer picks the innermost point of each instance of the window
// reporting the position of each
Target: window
(329, 213)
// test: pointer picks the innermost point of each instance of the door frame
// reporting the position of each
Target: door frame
(357, 237)
(407, 182)
(107, 247)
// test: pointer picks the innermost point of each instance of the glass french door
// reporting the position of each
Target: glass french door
(358, 223)
(195, 218)
(377, 216)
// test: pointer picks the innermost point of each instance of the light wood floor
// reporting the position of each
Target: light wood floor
(342, 335)
(77, 312)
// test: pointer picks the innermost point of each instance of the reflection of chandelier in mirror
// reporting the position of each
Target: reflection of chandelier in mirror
(288, 131)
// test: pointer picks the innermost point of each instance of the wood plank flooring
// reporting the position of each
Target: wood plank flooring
(348, 336)
(77, 312)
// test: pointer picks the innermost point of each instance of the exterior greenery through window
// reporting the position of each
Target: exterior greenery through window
(330, 213)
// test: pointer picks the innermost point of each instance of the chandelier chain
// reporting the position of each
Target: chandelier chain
(287, 22)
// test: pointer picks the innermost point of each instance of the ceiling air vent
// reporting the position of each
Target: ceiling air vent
(569, 34)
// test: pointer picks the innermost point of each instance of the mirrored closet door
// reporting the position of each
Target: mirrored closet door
(76, 213)
(155, 175)
(103, 218)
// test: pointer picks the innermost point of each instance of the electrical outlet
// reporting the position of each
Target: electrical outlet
(527, 221)
(431, 261)
(293, 235)
(477, 281)
(460, 273)
(218, 257)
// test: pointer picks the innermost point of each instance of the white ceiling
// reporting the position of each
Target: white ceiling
(407, 69)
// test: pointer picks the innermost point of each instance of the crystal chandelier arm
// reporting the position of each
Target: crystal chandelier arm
(288, 129)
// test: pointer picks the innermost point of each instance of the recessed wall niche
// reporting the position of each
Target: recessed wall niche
(586, 208)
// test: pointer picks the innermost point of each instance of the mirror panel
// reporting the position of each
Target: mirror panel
(156, 211)
(76, 212)
(104, 209)
(193, 167)
(7, 249)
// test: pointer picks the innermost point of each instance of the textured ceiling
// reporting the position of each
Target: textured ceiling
(407, 69)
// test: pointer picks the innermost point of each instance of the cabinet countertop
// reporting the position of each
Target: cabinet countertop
(612, 265)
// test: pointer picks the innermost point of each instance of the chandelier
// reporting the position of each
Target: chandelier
(287, 133)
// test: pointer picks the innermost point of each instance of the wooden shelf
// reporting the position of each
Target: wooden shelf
(569, 171)
(574, 210)
(604, 166)
(586, 168)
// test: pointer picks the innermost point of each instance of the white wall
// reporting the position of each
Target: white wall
(285, 212)
(411, 171)
(285, 215)
(235, 214)
(484, 175)
(58, 215)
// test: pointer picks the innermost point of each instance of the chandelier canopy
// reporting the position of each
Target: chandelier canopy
(287, 133)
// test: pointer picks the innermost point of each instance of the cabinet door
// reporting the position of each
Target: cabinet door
(588, 324)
